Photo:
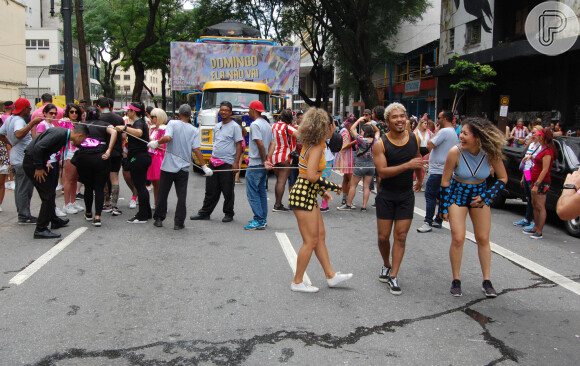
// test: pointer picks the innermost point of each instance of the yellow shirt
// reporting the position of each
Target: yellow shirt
(303, 159)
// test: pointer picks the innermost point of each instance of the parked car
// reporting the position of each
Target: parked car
(568, 160)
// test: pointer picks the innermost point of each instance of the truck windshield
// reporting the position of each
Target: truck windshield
(238, 98)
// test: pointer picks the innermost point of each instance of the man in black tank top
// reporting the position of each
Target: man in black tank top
(396, 155)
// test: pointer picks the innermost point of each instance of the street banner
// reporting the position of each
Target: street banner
(194, 64)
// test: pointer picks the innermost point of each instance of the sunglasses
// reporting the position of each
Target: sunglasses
(73, 111)
(52, 113)
(152, 116)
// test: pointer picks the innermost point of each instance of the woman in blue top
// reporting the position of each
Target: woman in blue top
(464, 190)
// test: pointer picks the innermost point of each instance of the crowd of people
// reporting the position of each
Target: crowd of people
(385, 147)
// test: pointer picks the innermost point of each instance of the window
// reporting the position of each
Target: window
(451, 39)
(473, 32)
(117, 77)
(127, 87)
(127, 77)
(37, 44)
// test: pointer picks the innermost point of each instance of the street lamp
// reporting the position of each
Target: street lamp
(38, 82)
(66, 11)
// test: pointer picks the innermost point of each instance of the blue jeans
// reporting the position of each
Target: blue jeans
(529, 206)
(256, 191)
(431, 194)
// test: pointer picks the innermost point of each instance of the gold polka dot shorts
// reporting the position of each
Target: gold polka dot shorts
(303, 195)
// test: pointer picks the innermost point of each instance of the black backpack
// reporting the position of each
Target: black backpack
(335, 142)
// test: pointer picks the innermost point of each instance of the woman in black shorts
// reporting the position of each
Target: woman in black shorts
(92, 160)
(316, 127)
(139, 157)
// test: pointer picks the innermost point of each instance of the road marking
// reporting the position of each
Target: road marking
(290, 254)
(46, 257)
(522, 261)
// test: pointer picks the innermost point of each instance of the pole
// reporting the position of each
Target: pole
(38, 83)
(66, 11)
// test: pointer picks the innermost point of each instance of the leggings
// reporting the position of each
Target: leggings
(139, 165)
(93, 173)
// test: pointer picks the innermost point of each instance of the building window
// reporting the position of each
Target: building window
(451, 39)
(473, 32)
(126, 77)
(117, 77)
(37, 44)
(127, 87)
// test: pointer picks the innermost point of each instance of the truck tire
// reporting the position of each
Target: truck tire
(573, 227)
(498, 201)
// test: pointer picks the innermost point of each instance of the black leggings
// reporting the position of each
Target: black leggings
(93, 173)
(138, 167)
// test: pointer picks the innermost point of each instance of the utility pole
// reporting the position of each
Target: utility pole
(66, 11)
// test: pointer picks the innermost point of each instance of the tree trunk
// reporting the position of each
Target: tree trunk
(368, 92)
(139, 70)
(86, 86)
(150, 93)
(163, 93)
(108, 69)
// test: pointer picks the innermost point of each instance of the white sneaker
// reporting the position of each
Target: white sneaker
(1, 209)
(59, 187)
(425, 228)
(133, 204)
(302, 287)
(78, 206)
(338, 278)
(58, 212)
(70, 209)
(9, 185)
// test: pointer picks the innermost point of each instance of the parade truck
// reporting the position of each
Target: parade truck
(231, 65)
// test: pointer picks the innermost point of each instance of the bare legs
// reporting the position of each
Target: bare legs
(70, 182)
(281, 179)
(539, 203)
(399, 239)
(314, 240)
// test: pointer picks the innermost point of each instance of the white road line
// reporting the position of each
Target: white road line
(290, 254)
(522, 261)
(46, 257)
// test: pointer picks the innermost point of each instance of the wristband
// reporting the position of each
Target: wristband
(125, 129)
(488, 195)
(444, 198)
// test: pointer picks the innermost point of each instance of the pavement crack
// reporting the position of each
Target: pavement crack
(237, 351)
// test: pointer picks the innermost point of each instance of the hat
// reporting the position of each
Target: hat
(132, 107)
(20, 104)
(540, 133)
(8, 104)
(257, 105)
(367, 111)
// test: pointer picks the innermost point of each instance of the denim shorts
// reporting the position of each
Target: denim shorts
(363, 172)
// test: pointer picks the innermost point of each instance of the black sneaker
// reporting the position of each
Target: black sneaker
(158, 223)
(178, 227)
(436, 225)
(80, 196)
(88, 216)
(393, 284)
(107, 208)
(343, 201)
(326, 209)
(385, 274)
(27, 221)
(488, 289)
(57, 223)
(116, 212)
(280, 208)
(456, 288)
(45, 234)
(97, 222)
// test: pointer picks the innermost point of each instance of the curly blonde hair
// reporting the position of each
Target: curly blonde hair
(490, 138)
(314, 126)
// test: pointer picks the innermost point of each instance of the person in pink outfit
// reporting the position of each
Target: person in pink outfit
(70, 121)
(158, 121)
(46, 99)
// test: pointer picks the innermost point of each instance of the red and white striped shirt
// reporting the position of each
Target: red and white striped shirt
(285, 142)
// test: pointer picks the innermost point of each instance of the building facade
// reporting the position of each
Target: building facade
(12, 52)
(493, 32)
(125, 81)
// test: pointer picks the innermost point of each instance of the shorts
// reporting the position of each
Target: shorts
(543, 188)
(293, 175)
(115, 163)
(395, 205)
(4, 169)
(303, 194)
(462, 194)
(363, 172)
(125, 164)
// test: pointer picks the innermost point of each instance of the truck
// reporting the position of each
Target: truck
(236, 68)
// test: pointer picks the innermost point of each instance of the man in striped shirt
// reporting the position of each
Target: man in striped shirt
(283, 142)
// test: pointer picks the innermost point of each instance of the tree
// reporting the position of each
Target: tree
(361, 30)
(80, 30)
(472, 76)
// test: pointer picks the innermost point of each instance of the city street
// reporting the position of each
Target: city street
(213, 293)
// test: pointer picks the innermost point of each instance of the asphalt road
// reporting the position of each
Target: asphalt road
(213, 293)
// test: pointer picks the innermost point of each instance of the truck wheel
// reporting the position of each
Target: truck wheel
(573, 227)
(498, 201)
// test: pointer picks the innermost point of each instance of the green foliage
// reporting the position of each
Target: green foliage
(472, 76)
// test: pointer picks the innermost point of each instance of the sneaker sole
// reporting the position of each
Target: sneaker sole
(383, 280)
(488, 295)
(456, 295)
(528, 232)
(395, 292)
(424, 231)
(536, 237)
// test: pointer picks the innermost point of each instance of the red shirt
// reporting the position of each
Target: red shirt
(538, 165)
(285, 142)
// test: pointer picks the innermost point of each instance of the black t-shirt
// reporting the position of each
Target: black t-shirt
(397, 155)
(115, 120)
(136, 146)
(97, 131)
